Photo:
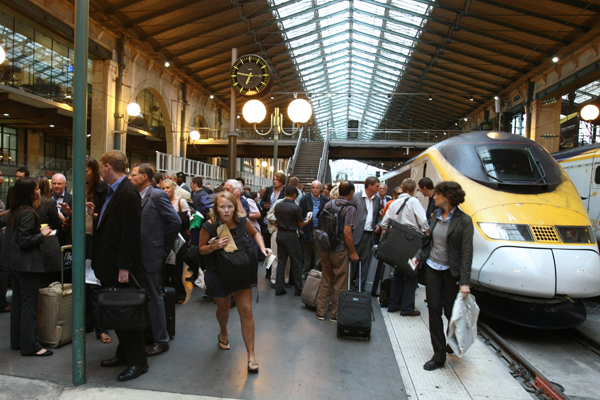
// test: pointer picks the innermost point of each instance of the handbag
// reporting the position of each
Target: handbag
(122, 308)
(399, 244)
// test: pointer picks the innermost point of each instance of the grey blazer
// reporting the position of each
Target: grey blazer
(21, 250)
(361, 214)
(160, 225)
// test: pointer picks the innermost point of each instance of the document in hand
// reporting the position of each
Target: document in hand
(223, 231)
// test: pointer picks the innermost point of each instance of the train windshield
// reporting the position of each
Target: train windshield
(510, 164)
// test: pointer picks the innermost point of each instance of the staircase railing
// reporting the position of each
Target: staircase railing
(324, 158)
(292, 163)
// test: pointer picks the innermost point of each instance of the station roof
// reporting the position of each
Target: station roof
(389, 64)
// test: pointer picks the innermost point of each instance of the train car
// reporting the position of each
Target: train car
(535, 253)
(582, 164)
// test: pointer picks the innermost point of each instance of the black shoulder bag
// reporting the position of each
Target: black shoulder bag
(399, 245)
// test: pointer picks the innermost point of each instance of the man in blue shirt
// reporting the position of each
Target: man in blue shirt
(310, 247)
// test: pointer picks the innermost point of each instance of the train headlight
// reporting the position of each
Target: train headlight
(576, 234)
(506, 231)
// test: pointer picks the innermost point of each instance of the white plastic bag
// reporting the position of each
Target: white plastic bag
(462, 330)
(200, 280)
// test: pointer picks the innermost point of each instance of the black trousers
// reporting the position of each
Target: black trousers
(23, 313)
(3, 287)
(288, 246)
(441, 289)
(364, 249)
(131, 346)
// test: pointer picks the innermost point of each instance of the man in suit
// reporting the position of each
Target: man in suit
(160, 225)
(59, 190)
(426, 187)
(367, 205)
(310, 246)
(118, 253)
(383, 195)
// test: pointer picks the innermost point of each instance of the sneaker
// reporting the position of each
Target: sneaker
(320, 318)
(333, 319)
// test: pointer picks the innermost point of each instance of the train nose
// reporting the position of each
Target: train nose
(542, 272)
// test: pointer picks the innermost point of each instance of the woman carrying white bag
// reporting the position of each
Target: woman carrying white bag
(447, 258)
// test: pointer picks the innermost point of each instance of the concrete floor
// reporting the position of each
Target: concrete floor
(300, 357)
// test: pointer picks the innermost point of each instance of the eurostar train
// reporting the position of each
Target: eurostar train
(535, 253)
(582, 164)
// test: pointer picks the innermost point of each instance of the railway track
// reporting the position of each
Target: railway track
(526, 364)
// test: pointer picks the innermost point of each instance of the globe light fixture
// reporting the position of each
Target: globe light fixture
(299, 111)
(264, 164)
(254, 111)
(590, 112)
(194, 135)
(2, 55)
(133, 109)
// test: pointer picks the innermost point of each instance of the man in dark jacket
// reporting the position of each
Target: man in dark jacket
(310, 247)
(118, 253)
(160, 225)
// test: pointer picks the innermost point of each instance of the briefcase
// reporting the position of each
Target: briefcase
(122, 308)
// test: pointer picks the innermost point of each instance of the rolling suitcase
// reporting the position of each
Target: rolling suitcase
(169, 298)
(355, 312)
(310, 292)
(55, 312)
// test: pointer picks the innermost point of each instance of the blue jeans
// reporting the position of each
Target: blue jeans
(403, 290)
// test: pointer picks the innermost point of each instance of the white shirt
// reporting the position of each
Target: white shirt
(369, 220)
(412, 215)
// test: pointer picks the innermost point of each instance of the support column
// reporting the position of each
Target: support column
(103, 105)
(232, 150)
(545, 124)
(182, 126)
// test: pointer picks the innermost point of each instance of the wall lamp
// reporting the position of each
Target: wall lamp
(590, 112)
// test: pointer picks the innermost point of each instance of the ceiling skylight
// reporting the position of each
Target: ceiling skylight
(350, 55)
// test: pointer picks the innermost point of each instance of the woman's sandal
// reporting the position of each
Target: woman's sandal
(105, 338)
(222, 344)
(252, 367)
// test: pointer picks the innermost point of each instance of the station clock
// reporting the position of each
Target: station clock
(251, 76)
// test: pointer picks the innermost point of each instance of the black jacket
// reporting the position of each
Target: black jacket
(306, 204)
(21, 250)
(460, 245)
(117, 237)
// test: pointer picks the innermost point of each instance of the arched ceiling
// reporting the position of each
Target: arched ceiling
(387, 63)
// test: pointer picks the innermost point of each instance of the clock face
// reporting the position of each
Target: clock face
(251, 76)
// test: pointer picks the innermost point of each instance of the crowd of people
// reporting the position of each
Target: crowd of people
(134, 221)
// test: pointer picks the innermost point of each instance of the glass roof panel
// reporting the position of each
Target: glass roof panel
(348, 55)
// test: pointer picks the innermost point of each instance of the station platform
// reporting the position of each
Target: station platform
(300, 357)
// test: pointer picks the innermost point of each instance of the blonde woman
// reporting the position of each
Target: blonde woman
(226, 212)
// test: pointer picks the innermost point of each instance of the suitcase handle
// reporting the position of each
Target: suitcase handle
(359, 274)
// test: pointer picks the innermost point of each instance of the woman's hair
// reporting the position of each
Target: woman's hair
(409, 185)
(452, 191)
(334, 193)
(280, 176)
(21, 199)
(93, 165)
(169, 182)
(214, 213)
(44, 185)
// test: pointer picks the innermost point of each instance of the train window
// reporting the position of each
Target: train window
(424, 170)
(597, 176)
(510, 164)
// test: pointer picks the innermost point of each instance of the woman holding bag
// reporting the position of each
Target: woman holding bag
(447, 256)
(226, 212)
(412, 215)
(21, 254)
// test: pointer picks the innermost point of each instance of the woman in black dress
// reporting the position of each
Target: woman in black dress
(226, 212)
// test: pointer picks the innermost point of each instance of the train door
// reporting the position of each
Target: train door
(593, 201)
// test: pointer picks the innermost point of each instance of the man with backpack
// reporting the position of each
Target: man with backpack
(337, 220)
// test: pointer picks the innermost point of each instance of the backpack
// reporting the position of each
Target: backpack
(206, 204)
(237, 270)
(331, 227)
